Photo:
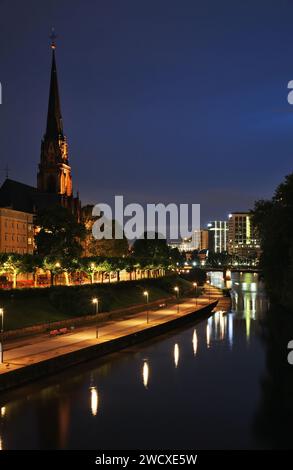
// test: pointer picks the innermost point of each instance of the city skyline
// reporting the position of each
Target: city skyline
(142, 123)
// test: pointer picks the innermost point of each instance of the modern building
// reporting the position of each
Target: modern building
(184, 245)
(16, 231)
(200, 240)
(242, 237)
(218, 236)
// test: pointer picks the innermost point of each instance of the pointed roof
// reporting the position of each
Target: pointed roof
(54, 119)
(22, 197)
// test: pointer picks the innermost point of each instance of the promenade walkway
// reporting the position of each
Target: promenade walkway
(19, 353)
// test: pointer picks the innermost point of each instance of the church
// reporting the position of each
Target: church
(20, 202)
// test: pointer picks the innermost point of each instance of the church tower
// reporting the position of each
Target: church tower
(54, 175)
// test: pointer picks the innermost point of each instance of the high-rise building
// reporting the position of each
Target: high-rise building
(200, 240)
(218, 235)
(242, 237)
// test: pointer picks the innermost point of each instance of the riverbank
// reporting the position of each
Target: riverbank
(24, 308)
(29, 359)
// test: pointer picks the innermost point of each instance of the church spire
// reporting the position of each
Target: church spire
(54, 119)
(54, 174)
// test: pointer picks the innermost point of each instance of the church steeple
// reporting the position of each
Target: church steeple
(54, 171)
(54, 119)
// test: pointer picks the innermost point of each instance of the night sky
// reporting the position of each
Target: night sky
(162, 100)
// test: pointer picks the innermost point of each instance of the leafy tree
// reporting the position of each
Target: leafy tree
(151, 248)
(59, 233)
(31, 264)
(176, 257)
(107, 248)
(11, 263)
(274, 222)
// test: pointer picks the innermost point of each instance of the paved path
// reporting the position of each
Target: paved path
(21, 352)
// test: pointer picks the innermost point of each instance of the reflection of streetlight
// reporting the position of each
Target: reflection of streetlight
(94, 401)
(208, 332)
(2, 331)
(95, 301)
(145, 373)
(194, 342)
(176, 289)
(176, 354)
(146, 294)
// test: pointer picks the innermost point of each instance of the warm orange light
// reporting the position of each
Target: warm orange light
(145, 374)
(94, 401)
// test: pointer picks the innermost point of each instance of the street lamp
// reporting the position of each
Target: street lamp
(146, 294)
(2, 331)
(95, 301)
(176, 289)
(195, 291)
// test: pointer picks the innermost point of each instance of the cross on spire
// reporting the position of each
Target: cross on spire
(53, 37)
(54, 120)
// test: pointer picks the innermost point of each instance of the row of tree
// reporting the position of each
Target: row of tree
(13, 264)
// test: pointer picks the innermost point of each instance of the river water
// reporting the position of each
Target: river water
(196, 388)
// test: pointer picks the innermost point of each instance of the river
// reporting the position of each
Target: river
(195, 388)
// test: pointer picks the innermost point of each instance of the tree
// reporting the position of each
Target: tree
(59, 234)
(31, 264)
(107, 248)
(274, 222)
(11, 263)
(156, 248)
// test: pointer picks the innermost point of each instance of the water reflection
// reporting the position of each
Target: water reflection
(176, 354)
(145, 374)
(274, 417)
(247, 297)
(211, 354)
(194, 342)
(94, 400)
(230, 329)
(208, 335)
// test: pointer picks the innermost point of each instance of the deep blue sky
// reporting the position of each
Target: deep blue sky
(162, 100)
